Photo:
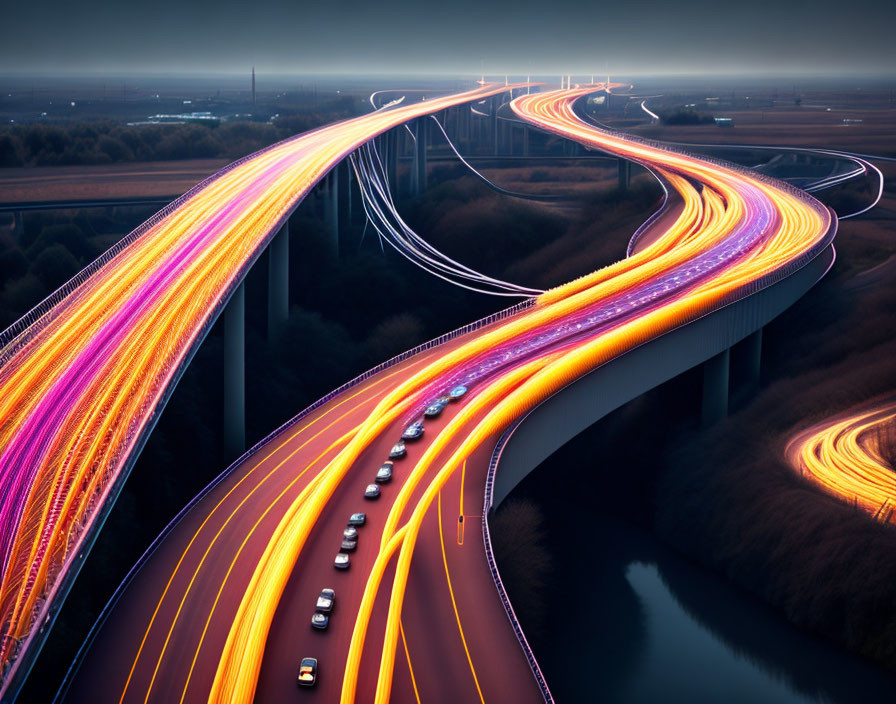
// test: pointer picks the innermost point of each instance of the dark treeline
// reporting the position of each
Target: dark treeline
(111, 142)
(54, 247)
(686, 117)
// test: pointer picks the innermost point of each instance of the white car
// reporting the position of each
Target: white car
(398, 450)
(342, 561)
(326, 600)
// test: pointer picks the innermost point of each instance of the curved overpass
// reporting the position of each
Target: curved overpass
(219, 608)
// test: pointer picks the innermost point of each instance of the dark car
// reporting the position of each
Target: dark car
(384, 474)
(413, 431)
(372, 492)
(349, 545)
(357, 519)
(398, 450)
(308, 672)
(320, 621)
(326, 601)
(434, 409)
(342, 561)
(457, 391)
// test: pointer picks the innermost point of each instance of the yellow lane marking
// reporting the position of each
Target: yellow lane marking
(454, 603)
(404, 642)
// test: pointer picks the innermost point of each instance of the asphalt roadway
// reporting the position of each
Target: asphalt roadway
(162, 640)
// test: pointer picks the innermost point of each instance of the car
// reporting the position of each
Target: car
(350, 533)
(342, 561)
(308, 672)
(372, 492)
(349, 545)
(434, 409)
(357, 519)
(398, 450)
(326, 601)
(413, 431)
(457, 392)
(320, 621)
(384, 473)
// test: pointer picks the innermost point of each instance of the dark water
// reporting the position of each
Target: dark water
(627, 621)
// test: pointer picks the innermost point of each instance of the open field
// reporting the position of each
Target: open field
(133, 180)
(804, 127)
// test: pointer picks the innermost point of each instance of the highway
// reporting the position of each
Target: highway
(851, 457)
(85, 374)
(220, 608)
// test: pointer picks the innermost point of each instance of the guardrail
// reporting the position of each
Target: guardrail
(496, 574)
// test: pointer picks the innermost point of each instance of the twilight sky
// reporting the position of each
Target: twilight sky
(415, 36)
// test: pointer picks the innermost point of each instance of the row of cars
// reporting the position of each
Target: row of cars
(320, 620)
(326, 601)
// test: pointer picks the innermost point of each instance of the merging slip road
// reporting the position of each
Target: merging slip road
(221, 609)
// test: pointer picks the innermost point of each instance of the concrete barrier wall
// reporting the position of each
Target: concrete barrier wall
(560, 418)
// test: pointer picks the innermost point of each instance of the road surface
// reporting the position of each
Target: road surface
(226, 617)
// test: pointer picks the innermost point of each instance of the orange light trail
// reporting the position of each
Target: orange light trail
(851, 458)
(735, 231)
(735, 234)
(81, 386)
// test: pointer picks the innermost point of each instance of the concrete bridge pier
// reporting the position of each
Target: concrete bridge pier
(235, 374)
(715, 387)
(344, 202)
(392, 160)
(624, 174)
(418, 174)
(752, 346)
(331, 210)
(278, 282)
(525, 140)
(493, 118)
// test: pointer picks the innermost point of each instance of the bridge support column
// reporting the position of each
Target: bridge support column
(715, 388)
(390, 140)
(344, 196)
(235, 373)
(753, 352)
(349, 195)
(525, 140)
(331, 210)
(494, 123)
(278, 281)
(624, 174)
(418, 176)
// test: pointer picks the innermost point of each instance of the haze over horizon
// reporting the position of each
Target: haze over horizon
(465, 37)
